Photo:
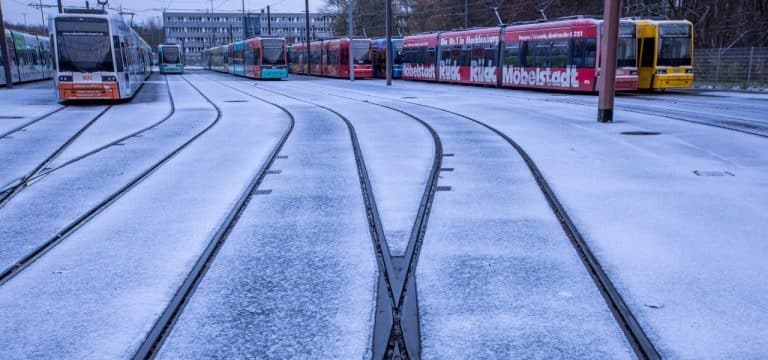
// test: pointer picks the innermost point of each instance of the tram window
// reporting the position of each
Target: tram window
(559, 57)
(478, 56)
(540, 56)
(646, 58)
(445, 56)
(344, 54)
(512, 56)
(429, 57)
(529, 54)
(118, 53)
(466, 57)
(490, 55)
(590, 53)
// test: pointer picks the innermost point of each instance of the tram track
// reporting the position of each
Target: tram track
(396, 329)
(92, 152)
(627, 322)
(10, 272)
(718, 121)
(22, 182)
(33, 121)
(163, 326)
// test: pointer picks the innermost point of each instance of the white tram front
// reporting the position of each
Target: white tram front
(97, 56)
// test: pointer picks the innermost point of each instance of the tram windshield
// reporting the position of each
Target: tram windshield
(674, 45)
(361, 51)
(84, 45)
(273, 52)
(626, 55)
(399, 54)
(170, 55)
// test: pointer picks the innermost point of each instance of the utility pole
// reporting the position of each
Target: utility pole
(306, 20)
(269, 22)
(607, 79)
(245, 23)
(6, 54)
(390, 49)
(61, 8)
(40, 7)
(351, 34)
(466, 13)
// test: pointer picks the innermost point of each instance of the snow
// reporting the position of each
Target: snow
(297, 276)
(32, 218)
(686, 252)
(497, 277)
(398, 153)
(109, 282)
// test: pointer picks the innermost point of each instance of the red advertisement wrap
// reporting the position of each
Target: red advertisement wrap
(472, 37)
(584, 28)
(482, 75)
(569, 78)
(419, 72)
(426, 40)
(363, 71)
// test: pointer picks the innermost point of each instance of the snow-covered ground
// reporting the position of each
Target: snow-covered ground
(677, 220)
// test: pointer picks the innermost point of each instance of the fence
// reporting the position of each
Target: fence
(734, 67)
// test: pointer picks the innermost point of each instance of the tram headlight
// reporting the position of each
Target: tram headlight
(661, 72)
(65, 78)
(108, 78)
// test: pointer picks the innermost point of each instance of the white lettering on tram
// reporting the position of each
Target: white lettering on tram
(514, 75)
(486, 74)
(450, 72)
(419, 71)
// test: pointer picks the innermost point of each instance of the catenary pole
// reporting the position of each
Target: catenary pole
(245, 23)
(6, 53)
(390, 49)
(466, 13)
(61, 8)
(607, 78)
(269, 21)
(306, 20)
(350, 34)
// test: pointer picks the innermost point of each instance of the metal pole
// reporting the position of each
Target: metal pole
(607, 80)
(350, 34)
(269, 21)
(466, 13)
(717, 68)
(42, 16)
(749, 72)
(306, 20)
(245, 23)
(6, 52)
(61, 8)
(390, 52)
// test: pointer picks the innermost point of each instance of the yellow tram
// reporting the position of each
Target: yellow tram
(665, 54)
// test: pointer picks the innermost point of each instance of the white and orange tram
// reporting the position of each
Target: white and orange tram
(97, 56)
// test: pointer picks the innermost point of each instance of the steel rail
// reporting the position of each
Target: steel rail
(41, 117)
(395, 343)
(629, 325)
(163, 326)
(10, 272)
(24, 181)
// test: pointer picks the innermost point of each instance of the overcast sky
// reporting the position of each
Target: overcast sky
(15, 10)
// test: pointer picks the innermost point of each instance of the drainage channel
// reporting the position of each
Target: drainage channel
(396, 325)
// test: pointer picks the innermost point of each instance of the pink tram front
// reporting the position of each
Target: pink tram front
(559, 55)
(331, 58)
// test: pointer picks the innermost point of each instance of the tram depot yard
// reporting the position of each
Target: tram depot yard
(214, 216)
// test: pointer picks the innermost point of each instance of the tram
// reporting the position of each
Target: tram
(557, 55)
(331, 58)
(97, 56)
(379, 57)
(665, 54)
(216, 59)
(170, 58)
(258, 58)
(30, 57)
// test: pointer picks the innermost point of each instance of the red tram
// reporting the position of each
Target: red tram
(558, 55)
(331, 58)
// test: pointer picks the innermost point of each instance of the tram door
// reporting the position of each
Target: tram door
(646, 55)
(121, 71)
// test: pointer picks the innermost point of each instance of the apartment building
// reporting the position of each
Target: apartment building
(198, 30)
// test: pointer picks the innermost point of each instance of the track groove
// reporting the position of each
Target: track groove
(21, 264)
(159, 332)
(633, 332)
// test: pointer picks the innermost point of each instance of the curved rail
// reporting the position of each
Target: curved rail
(12, 271)
(633, 332)
(159, 332)
(397, 337)
(24, 181)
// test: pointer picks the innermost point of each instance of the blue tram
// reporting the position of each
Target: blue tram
(170, 58)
